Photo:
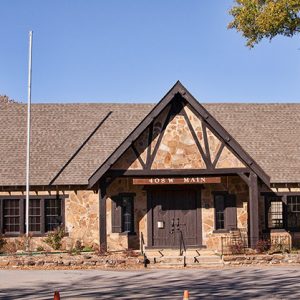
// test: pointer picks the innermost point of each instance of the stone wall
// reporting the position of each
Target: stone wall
(233, 185)
(261, 259)
(82, 217)
(68, 261)
(178, 147)
(122, 241)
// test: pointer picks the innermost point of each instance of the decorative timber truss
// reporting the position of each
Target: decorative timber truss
(178, 137)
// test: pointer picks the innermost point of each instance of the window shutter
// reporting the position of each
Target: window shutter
(116, 215)
(230, 212)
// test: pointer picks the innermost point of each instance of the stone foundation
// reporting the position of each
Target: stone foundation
(67, 261)
(263, 259)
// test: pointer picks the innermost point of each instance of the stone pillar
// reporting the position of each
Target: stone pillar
(253, 210)
(102, 216)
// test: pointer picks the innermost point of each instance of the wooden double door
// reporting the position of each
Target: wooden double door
(175, 217)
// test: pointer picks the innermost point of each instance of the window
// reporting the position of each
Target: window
(11, 216)
(220, 211)
(45, 214)
(123, 213)
(127, 214)
(52, 214)
(225, 211)
(35, 215)
(274, 212)
(293, 212)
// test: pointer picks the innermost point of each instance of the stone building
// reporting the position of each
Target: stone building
(141, 175)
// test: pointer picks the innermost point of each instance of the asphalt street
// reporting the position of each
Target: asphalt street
(237, 283)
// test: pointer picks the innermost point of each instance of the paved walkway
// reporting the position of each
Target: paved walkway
(240, 283)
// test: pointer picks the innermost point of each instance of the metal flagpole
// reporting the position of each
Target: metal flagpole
(28, 134)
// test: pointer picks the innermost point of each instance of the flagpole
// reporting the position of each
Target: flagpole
(28, 133)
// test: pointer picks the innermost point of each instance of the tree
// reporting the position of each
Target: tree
(5, 99)
(258, 19)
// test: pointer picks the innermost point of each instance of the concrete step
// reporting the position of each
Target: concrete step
(176, 252)
(177, 260)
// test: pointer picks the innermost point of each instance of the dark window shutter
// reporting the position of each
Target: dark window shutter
(116, 214)
(230, 212)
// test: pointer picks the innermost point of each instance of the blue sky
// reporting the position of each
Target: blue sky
(135, 50)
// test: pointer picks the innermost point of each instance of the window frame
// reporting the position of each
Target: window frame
(21, 217)
(215, 194)
(22, 204)
(285, 197)
(230, 211)
(118, 211)
(131, 197)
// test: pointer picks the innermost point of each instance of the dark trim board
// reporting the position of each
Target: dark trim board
(179, 172)
(178, 90)
(43, 188)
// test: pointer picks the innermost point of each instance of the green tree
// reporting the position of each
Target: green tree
(258, 19)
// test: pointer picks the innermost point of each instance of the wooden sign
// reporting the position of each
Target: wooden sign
(177, 180)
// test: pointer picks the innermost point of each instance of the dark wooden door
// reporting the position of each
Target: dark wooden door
(174, 217)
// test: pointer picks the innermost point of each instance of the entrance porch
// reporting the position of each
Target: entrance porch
(175, 216)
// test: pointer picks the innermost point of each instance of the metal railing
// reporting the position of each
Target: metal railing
(182, 247)
(142, 244)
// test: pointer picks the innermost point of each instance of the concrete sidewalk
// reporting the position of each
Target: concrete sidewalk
(238, 283)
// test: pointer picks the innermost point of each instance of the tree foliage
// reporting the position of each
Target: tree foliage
(258, 19)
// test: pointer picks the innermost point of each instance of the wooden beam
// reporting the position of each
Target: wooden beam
(204, 157)
(218, 154)
(102, 216)
(245, 178)
(253, 210)
(150, 136)
(206, 143)
(161, 135)
(135, 133)
(137, 154)
(176, 172)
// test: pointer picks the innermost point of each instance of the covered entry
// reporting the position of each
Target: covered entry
(174, 217)
(178, 139)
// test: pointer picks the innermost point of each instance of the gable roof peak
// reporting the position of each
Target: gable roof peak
(178, 88)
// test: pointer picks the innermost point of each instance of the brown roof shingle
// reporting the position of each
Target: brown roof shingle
(270, 133)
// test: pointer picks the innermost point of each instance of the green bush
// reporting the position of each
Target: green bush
(88, 249)
(40, 249)
(55, 237)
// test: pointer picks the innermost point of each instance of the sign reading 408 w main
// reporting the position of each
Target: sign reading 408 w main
(177, 180)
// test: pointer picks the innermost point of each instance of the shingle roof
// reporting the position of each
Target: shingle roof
(270, 133)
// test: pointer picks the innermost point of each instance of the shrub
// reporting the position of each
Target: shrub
(88, 249)
(78, 246)
(279, 247)
(40, 249)
(263, 246)
(55, 237)
(237, 247)
(10, 247)
(23, 242)
(2, 243)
